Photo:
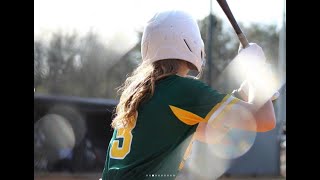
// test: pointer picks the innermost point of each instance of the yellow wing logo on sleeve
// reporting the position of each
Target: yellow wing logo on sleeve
(186, 116)
(215, 114)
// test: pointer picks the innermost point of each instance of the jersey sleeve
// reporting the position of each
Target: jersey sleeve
(201, 103)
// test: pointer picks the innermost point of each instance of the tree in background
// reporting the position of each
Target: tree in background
(39, 67)
(61, 56)
(93, 78)
(75, 66)
(267, 37)
(224, 47)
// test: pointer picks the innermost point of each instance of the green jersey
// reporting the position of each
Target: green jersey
(155, 147)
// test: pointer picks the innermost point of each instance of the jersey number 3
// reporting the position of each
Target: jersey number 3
(118, 152)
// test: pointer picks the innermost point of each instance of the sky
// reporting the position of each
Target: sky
(118, 20)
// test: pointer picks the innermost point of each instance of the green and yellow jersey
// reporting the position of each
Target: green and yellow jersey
(156, 146)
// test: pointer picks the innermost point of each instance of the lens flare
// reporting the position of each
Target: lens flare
(203, 164)
(233, 141)
(54, 139)
(264, 77)
(74, 118)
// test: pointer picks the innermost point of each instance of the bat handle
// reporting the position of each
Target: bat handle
(243, 40)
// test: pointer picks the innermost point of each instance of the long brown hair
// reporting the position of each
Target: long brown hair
(140, 86)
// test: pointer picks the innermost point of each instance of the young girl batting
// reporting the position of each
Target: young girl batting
(161, 107)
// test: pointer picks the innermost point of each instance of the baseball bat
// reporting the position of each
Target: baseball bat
(225, 7)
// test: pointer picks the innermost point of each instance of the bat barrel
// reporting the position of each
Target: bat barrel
(225, 7)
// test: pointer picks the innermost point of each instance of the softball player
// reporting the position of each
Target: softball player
(161, 107)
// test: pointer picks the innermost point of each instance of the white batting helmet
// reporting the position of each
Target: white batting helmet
(173, 35)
